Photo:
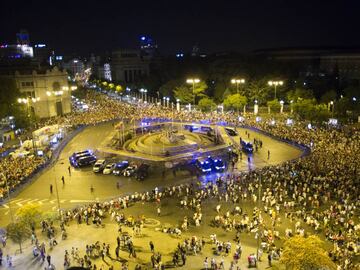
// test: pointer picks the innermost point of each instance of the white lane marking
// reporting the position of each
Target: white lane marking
(80, 201)
(52, 201)
(21, 202)
(42, 201)
(5, 205)
(32, 201)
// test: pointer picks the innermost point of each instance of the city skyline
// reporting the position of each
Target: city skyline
(85, 27)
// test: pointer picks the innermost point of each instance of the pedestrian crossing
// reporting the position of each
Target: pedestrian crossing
(21, 202)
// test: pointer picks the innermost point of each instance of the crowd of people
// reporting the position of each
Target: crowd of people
(16, 171)
(317, 194)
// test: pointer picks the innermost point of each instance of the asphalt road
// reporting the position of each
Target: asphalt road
(76, 190)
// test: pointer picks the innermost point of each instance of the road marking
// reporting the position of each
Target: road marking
(42, 201)
(62, 201)
(54, 208)
(80, 201)
(34, 200)
(52, 201)
(5, 205)
(21, 202)
(17, 200)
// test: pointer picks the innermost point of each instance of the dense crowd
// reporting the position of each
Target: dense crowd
(15, 171)
(318, 193)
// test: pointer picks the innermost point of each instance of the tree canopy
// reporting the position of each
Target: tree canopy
(235, 101)
(206, 104)
(305, 254)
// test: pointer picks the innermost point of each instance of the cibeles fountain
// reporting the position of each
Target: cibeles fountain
(166, 141)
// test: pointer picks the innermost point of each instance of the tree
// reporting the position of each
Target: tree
(18, 232)
(9, 94)
(328, 96)
(235, 101)
(199, 89)
(28, 214)
(184, 94)
(168, 88)
(258, 90)
(118, 88)
(273, 105)
(305, 254)
(299, 93)
(206, 104)
(308, 109)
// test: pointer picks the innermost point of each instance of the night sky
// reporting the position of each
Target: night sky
(95, 26)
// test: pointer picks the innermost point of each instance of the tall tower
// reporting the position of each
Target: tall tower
(148, 46)
(23, 37)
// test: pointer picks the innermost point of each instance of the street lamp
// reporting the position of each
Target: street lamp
(193, 81)
(275, 84)
(178, 105)
(256, 107)
(332, 108)
(142, 93)
(164, 101)
(237, 82)
(281, 106)
(222, 108)
(167, 103)
(145, 91)
(27, 101)
(291, 106)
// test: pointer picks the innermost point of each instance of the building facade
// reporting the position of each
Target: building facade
(47, 93)
(128, 66)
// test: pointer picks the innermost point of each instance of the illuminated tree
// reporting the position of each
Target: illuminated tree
(18, 232)
(235, 101)
(305, 254)
(206, 104)
(29, 215)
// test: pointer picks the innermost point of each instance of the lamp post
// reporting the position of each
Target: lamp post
(281, 106)
(291, 106)
(275, 84)
(142, 94)
(332, 108)
(27, 101)
(178, 105)
(145, 91)
(222, 108)
(237, 82)
(193, 81)
(256, 107)
(167, 102)
(164, 101)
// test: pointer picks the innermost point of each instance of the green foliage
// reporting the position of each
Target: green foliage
(29, 215)
(206, 104)
(9, 105)
(274, 105)
(328, 96)
(168, 88)
(18, 232)
(200, 89)
(235, 101)
(258, 90)
(308, 109)
(305, 253)
(298, 94)
(184, 93)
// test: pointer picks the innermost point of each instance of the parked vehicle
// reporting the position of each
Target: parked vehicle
(120, 167)
(142, 172)
(99, 166)
(109, 168)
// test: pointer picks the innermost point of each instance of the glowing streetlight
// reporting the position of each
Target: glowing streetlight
(222, 108)
(178, 105)
(275, 84)
(237, 82)
(193, 81)
(281, 106)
